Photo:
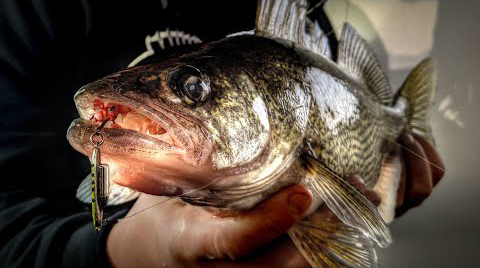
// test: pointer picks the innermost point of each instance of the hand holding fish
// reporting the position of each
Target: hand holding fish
(204, 234)
(179, 234)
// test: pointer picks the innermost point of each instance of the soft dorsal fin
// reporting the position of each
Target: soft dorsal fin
(287, 19)
(358, 59)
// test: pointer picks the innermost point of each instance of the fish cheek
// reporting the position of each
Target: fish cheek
(239, 126)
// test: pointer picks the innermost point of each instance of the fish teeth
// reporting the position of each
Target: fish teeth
(119, 118)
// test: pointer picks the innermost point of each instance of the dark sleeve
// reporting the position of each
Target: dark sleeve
(41, 223)
(34, 235)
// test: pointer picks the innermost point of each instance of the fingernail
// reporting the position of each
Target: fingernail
(298, 204)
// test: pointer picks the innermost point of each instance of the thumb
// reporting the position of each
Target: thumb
(249, 230)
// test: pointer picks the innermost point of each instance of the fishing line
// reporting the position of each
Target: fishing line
(344, 20)
(168, 198)
(315, 7)
(414, 153)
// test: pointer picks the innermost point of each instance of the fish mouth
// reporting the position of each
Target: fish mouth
(128, 122)
(137, 129)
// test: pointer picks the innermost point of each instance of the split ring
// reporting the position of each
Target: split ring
(102, 138)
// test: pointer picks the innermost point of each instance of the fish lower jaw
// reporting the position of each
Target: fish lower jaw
(125, 144)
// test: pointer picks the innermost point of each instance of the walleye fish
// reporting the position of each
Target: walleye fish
(239, 119)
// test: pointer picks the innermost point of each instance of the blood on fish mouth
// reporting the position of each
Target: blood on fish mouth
(123, 117)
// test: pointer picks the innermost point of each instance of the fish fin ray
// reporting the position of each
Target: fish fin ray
(327, 242)
(316, 40)
(118, 194)
(419, 90)
(287, 19)
(348, 204)
(357, 58)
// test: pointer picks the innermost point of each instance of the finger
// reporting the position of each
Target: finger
(369, 193)
(373, 196)
(437, 167)
(358, 183)
(239, 235)
(418, 175)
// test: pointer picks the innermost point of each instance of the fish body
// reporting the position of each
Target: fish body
(237, 120)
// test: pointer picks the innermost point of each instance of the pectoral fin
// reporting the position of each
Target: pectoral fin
(348, 204)
(326, 242)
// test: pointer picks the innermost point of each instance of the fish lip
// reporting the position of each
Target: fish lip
(160, 114)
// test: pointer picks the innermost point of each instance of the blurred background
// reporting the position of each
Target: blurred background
(443, 231)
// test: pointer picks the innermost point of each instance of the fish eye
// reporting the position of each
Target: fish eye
(189, 84)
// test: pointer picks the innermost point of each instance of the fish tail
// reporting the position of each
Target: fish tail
(331, 243)
(419, 89)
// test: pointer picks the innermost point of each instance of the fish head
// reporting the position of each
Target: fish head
(175, 126)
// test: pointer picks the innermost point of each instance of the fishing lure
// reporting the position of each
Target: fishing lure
(100, 180)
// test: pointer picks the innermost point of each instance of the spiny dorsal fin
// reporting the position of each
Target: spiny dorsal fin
(287, 19)
(357, 59)
(316, 40)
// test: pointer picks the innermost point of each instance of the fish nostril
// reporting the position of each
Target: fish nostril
(144, 79)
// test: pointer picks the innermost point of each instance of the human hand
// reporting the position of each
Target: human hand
(178, 234)
(418, 176)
